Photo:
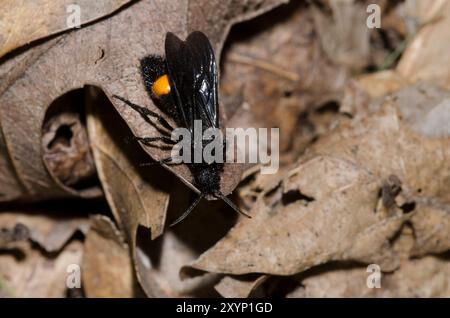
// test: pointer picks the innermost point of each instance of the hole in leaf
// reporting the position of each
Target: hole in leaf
(330, 107)
(408, 207)
(287, 93)
(293, 196)
(63, 136)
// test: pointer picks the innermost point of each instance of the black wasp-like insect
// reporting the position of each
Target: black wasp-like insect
(184, 85)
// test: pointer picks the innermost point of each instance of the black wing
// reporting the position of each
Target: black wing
(194, 79)
(206, 77)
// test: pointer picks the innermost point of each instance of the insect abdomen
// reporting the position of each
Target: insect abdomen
(161, 86)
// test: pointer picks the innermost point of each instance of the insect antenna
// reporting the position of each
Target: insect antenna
(188, 211)
(230, 204)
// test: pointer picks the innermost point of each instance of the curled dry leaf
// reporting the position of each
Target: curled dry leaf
(66, 149)
(107, 266)
(25, 21)
(137, 195)
(105, 54)
(327, 208)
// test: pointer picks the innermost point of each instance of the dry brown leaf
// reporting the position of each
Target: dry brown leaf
(426, 56)
(239, 287)
(290, 238)
(431, 226)
(371, 187)
(424, 109)
(37, 265)
(413, 100)
(414, 103)
(22, 21)
(137, 195)
(106, 54)
(107, 269)
(327, 208)
(355, 99)
(382, 83)
(275, 70)
(253, 183)
(13, 237)
(425, 277)
(34, 273)
(424, 11)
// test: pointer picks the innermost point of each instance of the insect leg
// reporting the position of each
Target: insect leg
(231, 204)
(188, 211)
(149, 140)
(145, 112)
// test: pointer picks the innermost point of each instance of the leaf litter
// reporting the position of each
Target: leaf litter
(364, 161)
